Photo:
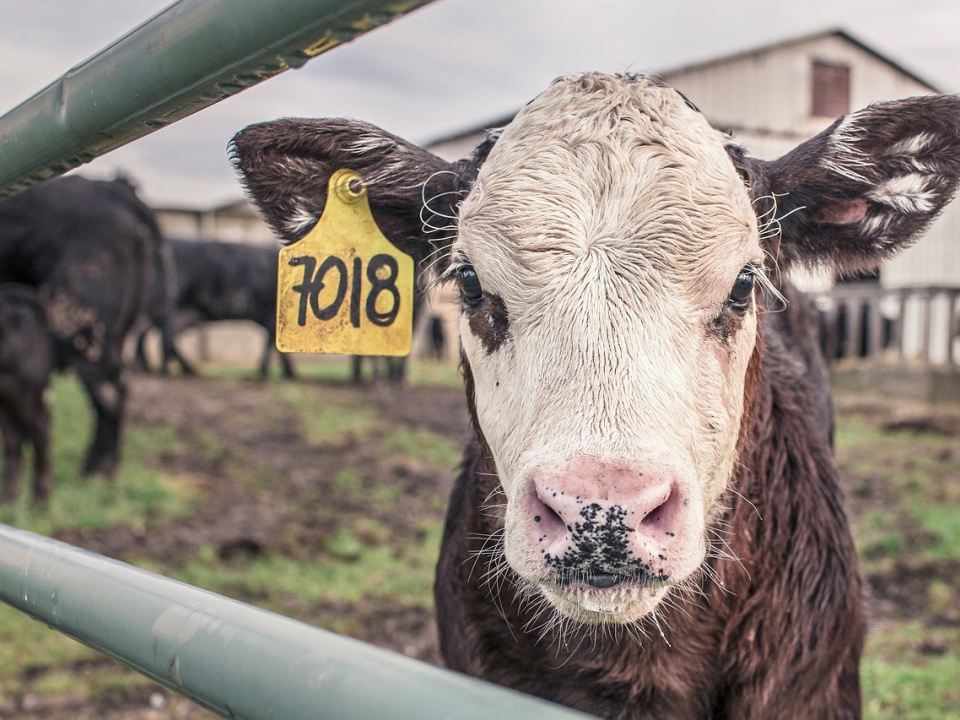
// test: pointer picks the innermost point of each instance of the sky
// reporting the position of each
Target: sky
(451, 65)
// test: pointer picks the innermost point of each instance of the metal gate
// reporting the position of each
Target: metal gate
(234, 659)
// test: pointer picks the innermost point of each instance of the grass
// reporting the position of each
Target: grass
(352, 569)
(422, 445)
(901, 679)
(140, 496)
(327, 421)
(904, 491)
(903, 487)
(361, 564)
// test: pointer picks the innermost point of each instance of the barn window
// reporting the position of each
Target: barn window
(831, 90)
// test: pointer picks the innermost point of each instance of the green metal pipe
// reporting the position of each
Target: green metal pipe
(189, 56)
(234, 659)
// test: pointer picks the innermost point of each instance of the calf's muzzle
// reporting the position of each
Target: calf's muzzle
(600, 522)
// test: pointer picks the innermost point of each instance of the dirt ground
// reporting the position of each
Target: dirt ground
(291, 507)
(239, 516)
(913, 466)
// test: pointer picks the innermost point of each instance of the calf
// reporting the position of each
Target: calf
(87, 245)
(221, 281)
(25, 363)
(648, 520)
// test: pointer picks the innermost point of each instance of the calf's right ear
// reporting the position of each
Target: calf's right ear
(286, 164)
(865, 187)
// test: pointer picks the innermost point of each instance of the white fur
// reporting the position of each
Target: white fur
(612, 224)
(908, 194)
(844, 157)
(300, 221)
(911, 146)
(367, 143)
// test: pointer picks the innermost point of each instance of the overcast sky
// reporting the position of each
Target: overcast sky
(450, 65)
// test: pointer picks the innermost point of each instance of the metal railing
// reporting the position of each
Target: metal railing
(189, 56)
(912, 324)
(234, 659)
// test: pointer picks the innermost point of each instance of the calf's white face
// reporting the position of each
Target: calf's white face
(597, 253)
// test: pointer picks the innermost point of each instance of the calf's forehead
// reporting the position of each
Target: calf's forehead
(616, 165)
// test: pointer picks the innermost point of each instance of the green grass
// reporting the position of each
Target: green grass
(29, 644)
(428, 373)
(423, 445)
(943, 523)
(338, 369)
(139, 496)
(906, 500)
(902, 683)
(360, 564)
(904, 511)
(325, 421)
(350, 570)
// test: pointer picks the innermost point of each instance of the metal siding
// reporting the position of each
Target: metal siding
(934, 260)
(766, 97)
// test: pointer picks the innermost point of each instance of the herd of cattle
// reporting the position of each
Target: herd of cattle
(83, 265)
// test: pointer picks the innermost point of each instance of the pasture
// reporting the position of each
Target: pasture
(324, 501)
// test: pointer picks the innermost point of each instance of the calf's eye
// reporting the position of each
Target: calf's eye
(742, 290)
(469, 284)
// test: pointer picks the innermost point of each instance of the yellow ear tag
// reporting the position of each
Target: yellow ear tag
(344, 288)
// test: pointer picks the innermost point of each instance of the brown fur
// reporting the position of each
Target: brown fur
(782, 638)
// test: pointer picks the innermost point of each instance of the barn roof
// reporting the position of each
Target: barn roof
(753, 52)
(802, 39)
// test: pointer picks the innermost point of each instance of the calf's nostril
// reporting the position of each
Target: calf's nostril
(547, 522)
(662, 514)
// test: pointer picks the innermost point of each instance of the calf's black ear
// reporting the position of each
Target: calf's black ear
(865, 187)
(285, 166)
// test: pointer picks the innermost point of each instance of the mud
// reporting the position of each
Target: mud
(264, 486)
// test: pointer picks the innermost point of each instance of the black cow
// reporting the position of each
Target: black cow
(87, 246)
(220, 281)
(25, 363)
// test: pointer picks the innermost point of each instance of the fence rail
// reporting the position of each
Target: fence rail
(237, 660)
(189, 56)
(867, 321)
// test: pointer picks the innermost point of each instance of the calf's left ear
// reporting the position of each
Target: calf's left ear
(865, 187)
(286, 165)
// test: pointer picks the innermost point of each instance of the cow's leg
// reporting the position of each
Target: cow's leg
(396, 369)
(285, 363)
(265, 357)
(140, 361)
(39, 431)
(168, 350)
(108, 393)
(287, 366)
(185, 366)
(356, 373)
(11, 457)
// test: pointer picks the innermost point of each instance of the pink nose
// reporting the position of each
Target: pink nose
(597, 519)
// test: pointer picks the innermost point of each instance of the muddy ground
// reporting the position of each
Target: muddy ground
(282, 500)
(294, 508)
